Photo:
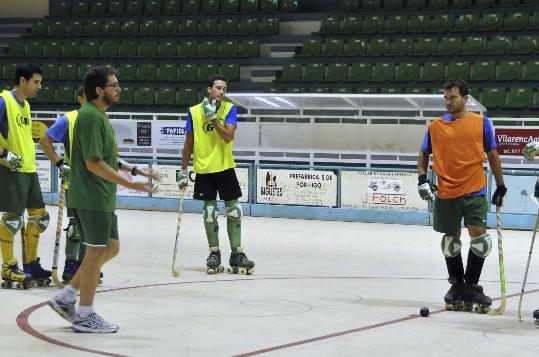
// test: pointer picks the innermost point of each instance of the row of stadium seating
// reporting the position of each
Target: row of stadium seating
(144, 49)
(172, 7)
(429, 23)
(410, 71)
(421, 46)
(369, 5)
(143, 72)
(188, 27)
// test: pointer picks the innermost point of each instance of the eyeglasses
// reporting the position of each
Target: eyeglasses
(114, 85)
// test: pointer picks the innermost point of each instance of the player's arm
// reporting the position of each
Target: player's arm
(226, 132)
(496, 166)
(187, 149)
(46, 144)
(134, 170)
(100, 168)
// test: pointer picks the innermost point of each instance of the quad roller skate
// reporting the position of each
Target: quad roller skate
(239, 264)
(453, 300)
(473, 294)
(39, 276)
(536, 317)
(12, 275)
(213, 263)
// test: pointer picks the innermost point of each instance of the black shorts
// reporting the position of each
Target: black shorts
(224, 182)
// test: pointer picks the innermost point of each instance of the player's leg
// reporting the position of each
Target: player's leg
(73, 245)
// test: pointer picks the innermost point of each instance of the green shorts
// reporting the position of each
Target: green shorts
(70, 211)
(19, 190)
(448, 213)
(96, 227)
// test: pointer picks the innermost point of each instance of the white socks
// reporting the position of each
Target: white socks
(68, 294)
(85, 311)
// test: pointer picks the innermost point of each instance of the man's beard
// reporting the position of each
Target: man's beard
(109, 100)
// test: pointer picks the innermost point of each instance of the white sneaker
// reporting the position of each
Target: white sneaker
(93, 323)
(65, 309)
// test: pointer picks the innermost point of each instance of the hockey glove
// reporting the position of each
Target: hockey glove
(426, 188)
(499, 194)
(183, 179)
(531, 149)
(14, 161)
(65, 170)
(209, 108)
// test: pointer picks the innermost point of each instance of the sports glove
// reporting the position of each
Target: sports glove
(183, 179)
(426, 188)
(65, 170)
(14, 161)
(499, 194)
(531, 149)
(209, 108)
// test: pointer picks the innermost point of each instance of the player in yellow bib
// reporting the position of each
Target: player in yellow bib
(19, 183)
(209, 137)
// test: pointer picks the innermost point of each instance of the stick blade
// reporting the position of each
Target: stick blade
(55, 279)
(499, 311)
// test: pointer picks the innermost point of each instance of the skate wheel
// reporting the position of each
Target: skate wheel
(3, 285)
(243, 271)
(221, 269)
(230, 270)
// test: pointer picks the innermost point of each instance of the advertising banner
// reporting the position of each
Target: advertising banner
(512, 141)
(168, 134)
(44, 174)
(39, 127)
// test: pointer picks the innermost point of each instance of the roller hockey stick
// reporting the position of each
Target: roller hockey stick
(527, 267)
(501, 309)
(175, 272)
(57, 281)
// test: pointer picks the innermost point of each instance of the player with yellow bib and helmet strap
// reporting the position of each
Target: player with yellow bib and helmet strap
(19, 183)
(209, 137)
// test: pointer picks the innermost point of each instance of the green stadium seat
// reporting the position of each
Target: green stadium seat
(474, 92)
(360, 72)
(311, 48)
(466, 22)
(424, 46)
(128, 49)
(111, 28)
(458, 70)
(57, 28)
(519, 98)
(441, 23)
(187, 49)
(350, 24)
(17, 49)
(289, 5)
(46, 94)
(71, 49)
(525, 45)
(69, 71)
(366, 90)
(50, 71)
(93, 28)
(129, 27)
(109, 49)
(515, 21)
(8, 70)
(229, 6)
(416, 4)
(370, 4)
(187, 96)
(268, 26)
(152, 7)
(372, 24)
(187, 27)
(449, 45)
(171, 7)
(349, 5)
(98, 8)
(268, 6)
(328, 25)
(187, 72)
(63, 9)
(167, 72)
(485, 4)
(52, 49)
(354, 47)
(231, 72)
(191, 7)
(127, 95)
(248, 6)
(483, 71)
(401, 46)
(490, 22)
(228, 26)
(395, 23)
(147, 71)
(90, 49)
(332, 48)
(247, 27)
(343, 90)
(390, 90)
(207, 49)
(533, 21)
(210, 7)
(499, 45)
(74, 28)
(148, 49)
(336, 72)
(168, 49)
(417, 23)
(134, 8)
(529, 3)
(461, 4)
(291, 72)
(205, 71)
(408, 72)
(509, 71)
(34, 49)
(207, 26)
(378, 47)
(166, 96)
(116, 8)
(433, 71)
(149, 27)
(383, 72)
(84, 68)
(493, 98)
(127, 72)
(313, 72)
(393, 4)
(228, 48)
(79, 8)
(508, 3)
(145, 95)
(532, 71)
(473, 46)
(40, 28)
(438, 4)
(250, 48)
(168, 27)
(65, 94)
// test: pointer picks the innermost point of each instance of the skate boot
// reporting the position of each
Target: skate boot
(453, 301)
(40, 276)
(239, 263)
(12, 274)
(70, 268)
(472, 294)
(213, 262)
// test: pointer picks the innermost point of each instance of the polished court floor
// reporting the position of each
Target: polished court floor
(319, 289)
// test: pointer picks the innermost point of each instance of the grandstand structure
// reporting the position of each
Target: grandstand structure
(165, 50)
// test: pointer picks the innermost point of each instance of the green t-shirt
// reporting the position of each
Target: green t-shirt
(93, 137)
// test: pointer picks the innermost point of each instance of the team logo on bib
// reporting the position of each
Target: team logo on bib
(207, 127)
(22, 121)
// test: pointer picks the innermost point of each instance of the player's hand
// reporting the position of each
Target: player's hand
(499, 194)
(150, 173)
(14, 161)
(209, 108)
(143, 187)
(65, 171)
(183, 179)
(426, 188)
(531, 149)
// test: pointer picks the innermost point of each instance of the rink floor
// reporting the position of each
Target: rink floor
(319, 289)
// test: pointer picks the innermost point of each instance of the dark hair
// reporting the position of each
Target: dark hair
(216, 78)
(80, 91)
(96, 77)
(26, 71)
(461, 84)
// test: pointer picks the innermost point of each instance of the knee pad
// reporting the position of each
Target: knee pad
(12, 222)
(451, 246)
(234, 211)
(72, 231)
(40, 218)
(210, 212)
(481, 245)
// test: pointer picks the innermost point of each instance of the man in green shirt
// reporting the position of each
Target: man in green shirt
(93, 181)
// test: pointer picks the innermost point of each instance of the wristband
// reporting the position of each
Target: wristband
(134, 171)
(60, 163)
